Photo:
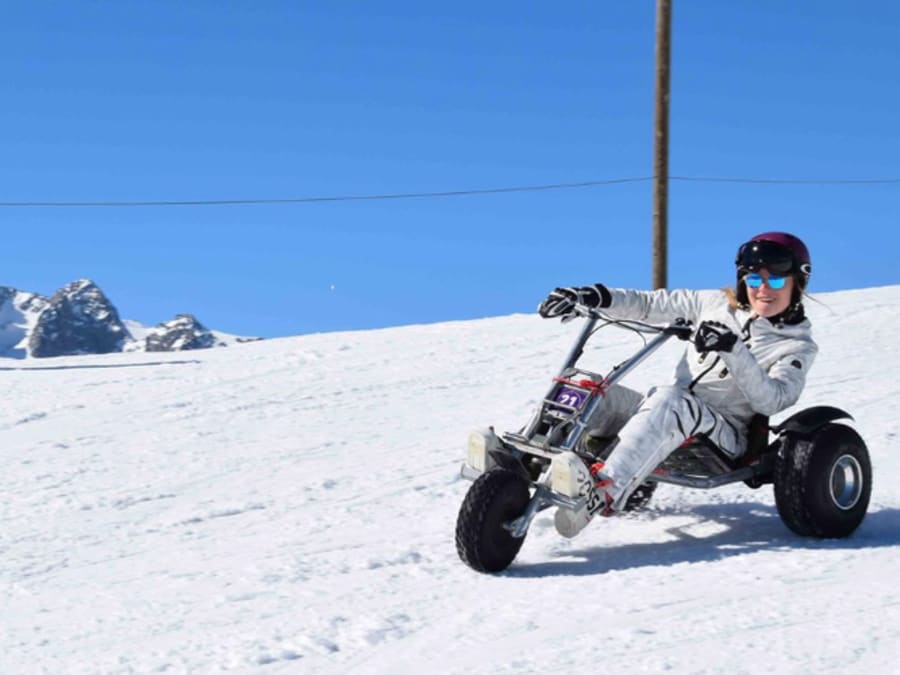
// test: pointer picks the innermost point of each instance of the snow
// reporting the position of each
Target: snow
(288, 506)
(138, 332)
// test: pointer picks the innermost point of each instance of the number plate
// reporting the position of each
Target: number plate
(571, 397)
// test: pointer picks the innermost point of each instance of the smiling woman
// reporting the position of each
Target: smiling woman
(773, 270)
(751, 354)
(769, 295)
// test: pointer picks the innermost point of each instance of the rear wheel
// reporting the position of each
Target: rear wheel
(823, 483)
(494, 500)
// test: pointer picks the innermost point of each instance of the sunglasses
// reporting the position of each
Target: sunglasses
(754, 280)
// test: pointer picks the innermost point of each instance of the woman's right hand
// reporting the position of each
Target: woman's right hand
(561, 302)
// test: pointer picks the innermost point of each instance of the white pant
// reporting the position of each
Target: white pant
(651, 428)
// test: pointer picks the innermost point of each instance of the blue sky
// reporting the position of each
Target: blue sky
(131, 101)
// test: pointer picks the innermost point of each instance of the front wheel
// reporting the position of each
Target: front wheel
(482, 539)
(823, 483)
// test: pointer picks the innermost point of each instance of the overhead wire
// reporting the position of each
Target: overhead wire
(447, 193)
(341, 198)
(789, 181)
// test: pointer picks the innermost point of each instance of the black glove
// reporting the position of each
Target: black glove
(562, 301)
(713, 336)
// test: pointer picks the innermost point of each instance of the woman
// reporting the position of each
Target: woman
(751, 352)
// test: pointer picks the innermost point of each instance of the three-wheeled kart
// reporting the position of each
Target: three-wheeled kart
(820, 469)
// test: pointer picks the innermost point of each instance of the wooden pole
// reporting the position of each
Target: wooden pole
(661, 144)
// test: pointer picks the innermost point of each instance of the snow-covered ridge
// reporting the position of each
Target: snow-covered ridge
(19, 312)
(80, 319)
(289, 507)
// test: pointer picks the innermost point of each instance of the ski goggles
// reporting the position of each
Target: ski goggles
(755, 255)
(755, 280)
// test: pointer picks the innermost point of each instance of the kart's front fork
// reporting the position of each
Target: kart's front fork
(543, 498)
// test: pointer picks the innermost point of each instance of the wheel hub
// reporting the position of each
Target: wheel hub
(846, 482)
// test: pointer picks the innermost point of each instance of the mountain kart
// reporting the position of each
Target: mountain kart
(820, 469)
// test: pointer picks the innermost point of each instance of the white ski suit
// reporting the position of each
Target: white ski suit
(714, 393)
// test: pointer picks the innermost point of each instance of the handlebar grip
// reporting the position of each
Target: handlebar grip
(680, 328)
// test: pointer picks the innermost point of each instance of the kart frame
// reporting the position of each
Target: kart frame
(561, 422)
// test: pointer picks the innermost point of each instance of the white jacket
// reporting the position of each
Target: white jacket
(765, 371)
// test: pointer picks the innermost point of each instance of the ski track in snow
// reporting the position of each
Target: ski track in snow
(289, 506)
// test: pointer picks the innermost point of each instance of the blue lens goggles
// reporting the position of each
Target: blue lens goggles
(754, 280)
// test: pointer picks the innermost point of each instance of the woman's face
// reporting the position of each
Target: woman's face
(766, 301)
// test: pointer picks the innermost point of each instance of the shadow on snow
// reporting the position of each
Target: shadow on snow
(104, 365)
(749, 528)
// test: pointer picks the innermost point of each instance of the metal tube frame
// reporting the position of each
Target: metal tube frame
(544, 497)
(579, 421)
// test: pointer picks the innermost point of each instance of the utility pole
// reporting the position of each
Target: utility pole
(661, 144)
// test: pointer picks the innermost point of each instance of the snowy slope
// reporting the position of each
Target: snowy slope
(138, 332)
(288, 506)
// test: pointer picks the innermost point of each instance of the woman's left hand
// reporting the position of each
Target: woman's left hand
(713, 336)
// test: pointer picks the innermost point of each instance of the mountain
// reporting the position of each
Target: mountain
(80, 319)
(19, 313)
(181, 333)
(289, 507)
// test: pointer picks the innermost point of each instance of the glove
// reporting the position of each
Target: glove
(713, 336)
(561, 302)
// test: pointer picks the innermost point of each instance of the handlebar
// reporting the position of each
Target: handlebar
(680, 327)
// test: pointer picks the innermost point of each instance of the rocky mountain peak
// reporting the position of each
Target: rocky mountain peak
(181, 333)
(78, 319)
(23, 300)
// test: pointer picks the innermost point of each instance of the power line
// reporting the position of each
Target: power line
(346, 198)
(790, 181)
(452, 193)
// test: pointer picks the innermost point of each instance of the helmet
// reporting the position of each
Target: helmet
(780, 253)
